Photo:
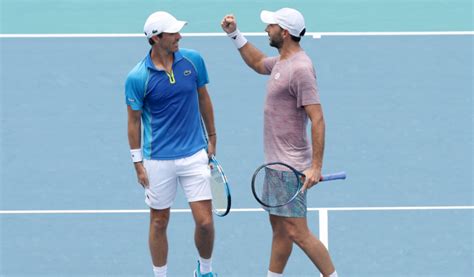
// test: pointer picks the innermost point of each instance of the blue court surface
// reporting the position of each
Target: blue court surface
(399, 121)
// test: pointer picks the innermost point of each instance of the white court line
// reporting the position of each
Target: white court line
(323, 213)
(323, 227)
(238, 210)
(221, 34)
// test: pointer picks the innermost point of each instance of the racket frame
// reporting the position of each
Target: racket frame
(215, 163)
(296, 172)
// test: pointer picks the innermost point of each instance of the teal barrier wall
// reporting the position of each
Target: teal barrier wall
(125, 16)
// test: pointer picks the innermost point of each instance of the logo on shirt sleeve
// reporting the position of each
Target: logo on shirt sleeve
(187, 72)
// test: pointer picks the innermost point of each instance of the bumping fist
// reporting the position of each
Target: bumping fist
(229, 24)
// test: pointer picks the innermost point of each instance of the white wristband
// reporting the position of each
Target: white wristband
(136, 155)
(237, 38)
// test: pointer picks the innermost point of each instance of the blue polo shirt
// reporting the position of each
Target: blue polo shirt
(171, 120)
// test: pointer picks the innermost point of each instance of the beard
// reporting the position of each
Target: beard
(276, 42)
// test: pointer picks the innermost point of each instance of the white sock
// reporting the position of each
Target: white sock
(273, 274)
(334, 274)
(205, 265)
(160, 271)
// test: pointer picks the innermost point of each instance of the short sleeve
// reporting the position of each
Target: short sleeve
(269, 63)
(135, 87)
(304, 87)
(203, 78)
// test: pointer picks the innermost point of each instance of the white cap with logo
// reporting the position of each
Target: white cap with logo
(162, 22)
(288, 19)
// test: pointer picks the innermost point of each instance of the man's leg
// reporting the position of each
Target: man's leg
(159, 196)
(158, 240)
(298, 231)
(204, 232)
(194, 177)
(282, 245)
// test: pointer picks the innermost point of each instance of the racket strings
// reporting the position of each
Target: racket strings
(219, 194)
(275, 187)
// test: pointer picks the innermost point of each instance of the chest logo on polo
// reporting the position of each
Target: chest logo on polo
(277, 76)
(187, 72)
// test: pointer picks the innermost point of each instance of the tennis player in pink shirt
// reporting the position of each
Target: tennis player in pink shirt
(292, 100)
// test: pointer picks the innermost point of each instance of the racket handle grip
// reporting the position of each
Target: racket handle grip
(334, 176)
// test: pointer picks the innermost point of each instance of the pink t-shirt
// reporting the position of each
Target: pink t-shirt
(291, 86)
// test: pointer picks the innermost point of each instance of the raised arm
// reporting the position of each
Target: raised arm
(250, 54)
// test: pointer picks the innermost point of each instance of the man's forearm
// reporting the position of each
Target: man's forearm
(318, 136)
(134, 133)
(252, 56)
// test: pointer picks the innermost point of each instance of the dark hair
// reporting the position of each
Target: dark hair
(151, 41)
(297, 39)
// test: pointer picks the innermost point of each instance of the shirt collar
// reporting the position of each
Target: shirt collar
(149, 63)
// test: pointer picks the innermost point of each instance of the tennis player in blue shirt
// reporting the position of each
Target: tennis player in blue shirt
(166, 98)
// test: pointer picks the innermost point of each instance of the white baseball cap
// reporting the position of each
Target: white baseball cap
(288, 19)
(162, 22)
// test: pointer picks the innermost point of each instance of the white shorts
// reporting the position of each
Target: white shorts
(192, 173)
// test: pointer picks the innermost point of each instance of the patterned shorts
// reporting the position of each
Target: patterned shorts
(282, 184)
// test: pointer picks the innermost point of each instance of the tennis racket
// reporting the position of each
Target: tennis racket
(277, 184)
(221, 199)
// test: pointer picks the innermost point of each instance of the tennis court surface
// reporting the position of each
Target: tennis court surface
(396, 88)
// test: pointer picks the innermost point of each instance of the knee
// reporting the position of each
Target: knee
(297, 236)
(159, 224)
(205, 226)
(292, 234)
